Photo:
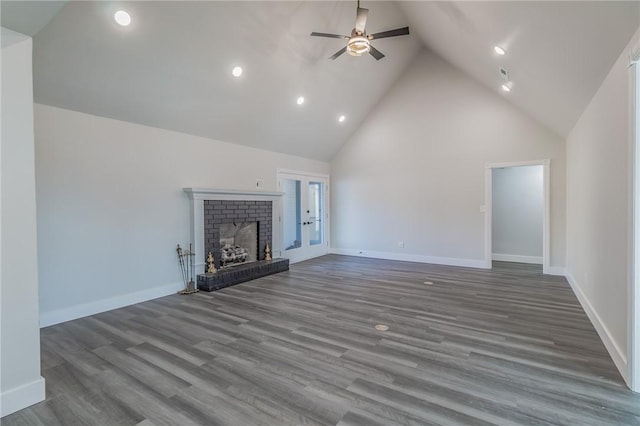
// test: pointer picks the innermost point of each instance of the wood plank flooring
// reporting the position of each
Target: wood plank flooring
(508, 346)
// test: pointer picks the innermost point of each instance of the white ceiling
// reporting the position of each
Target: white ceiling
(558, 52)
(172, 67)
(28, 17)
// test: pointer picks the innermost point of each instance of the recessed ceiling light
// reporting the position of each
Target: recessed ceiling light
(341, 118)
(122, 18)
(499, 50)
(236, 71)
(506, 87)
(300, 100)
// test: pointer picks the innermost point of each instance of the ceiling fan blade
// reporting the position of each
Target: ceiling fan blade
(338, 53)
(361, 20)
(375, 53)
(390, 33)
(328, 35)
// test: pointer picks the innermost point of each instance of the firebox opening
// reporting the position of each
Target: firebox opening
(238, 243)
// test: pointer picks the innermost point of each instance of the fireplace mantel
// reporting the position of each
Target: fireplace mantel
(197, 196)
(231, 194)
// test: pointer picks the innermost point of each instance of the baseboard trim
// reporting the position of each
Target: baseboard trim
(103, 305)
(516, 258)
(617, 355)
(21, 397)
(450, 261)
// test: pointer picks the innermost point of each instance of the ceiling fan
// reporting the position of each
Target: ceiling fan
(359, 42)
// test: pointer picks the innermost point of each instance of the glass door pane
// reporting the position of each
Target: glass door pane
(315, 223)
(292, 214)
(303, 215)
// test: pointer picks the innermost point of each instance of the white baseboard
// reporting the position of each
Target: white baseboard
(450, 261)
(617, 355)
(21, 397)
(92, 308)
(516, 258)
(556, 270)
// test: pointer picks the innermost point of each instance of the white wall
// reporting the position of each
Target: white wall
(20, 382)
(598, 208)
(111, 207)
(517, 213)
(414, 172)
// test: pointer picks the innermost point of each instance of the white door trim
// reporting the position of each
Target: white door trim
(546, 221)
(305, 177)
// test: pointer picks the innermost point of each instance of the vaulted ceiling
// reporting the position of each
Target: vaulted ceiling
(558, 52)
(171, 68)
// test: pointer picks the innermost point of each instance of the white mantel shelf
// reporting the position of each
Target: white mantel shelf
(198, 196)
(230, 194)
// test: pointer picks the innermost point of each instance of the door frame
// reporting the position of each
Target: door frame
(287, 173)
(488, 208)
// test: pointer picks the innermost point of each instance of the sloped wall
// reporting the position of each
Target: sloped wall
(414, 172)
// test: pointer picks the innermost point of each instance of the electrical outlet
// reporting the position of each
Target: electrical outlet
(259, 183)
(401, 244)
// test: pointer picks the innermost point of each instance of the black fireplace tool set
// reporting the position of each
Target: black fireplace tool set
(186, 258)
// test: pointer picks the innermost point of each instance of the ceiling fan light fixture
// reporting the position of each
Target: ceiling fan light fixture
(358, 45)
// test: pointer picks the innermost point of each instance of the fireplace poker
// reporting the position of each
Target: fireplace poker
(192, 285)
(183, 269)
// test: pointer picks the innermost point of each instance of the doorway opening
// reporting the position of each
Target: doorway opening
(517, 213)
(305, 215)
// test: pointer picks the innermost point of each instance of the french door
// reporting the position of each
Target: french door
(305, 215)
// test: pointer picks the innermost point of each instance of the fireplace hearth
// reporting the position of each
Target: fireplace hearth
(241, 273)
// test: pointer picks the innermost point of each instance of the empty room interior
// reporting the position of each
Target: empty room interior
(320, 213)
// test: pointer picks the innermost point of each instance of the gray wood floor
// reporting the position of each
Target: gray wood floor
(507, 346)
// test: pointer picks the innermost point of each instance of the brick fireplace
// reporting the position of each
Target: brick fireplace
(220, 212)
(210, 208)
